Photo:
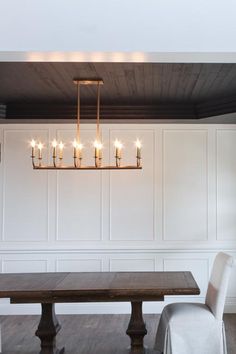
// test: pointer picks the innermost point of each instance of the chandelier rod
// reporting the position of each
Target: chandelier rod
(98, 112)
(78, 113)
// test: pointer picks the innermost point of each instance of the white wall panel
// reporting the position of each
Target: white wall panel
(79, 194)
(132, 265)
(79, 265)
(25, 192)
(232, 284)
(132, 192)
(226, 186)
(185, 185)
(24, 266)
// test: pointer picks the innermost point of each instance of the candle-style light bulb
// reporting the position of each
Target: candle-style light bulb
(74, 144)
(77, 152)
(98, 152)
(138, 151)
(40, 147)
(33, 144)
(54, 146)
(54, 143)
(118, 147)
(77, 149)
(61, 147)
(98, 149)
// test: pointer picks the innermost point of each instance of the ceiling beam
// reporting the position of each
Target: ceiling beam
(216, 107)
(52, 111)
(68, 111)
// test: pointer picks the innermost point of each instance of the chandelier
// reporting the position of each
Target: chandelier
(57, 148)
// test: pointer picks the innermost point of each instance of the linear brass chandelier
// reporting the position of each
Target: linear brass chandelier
(57, 148)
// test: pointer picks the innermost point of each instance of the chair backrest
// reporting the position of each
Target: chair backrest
(218, 284)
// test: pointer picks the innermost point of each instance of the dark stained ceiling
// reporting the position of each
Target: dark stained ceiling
(131, 90)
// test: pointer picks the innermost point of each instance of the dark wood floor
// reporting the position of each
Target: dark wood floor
(87, 334)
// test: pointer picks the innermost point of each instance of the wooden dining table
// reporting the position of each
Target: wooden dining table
(133, 287)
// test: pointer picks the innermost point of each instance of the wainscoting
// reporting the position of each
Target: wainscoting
(175, 214)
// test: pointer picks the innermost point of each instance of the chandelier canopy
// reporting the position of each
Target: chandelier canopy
(77, 147)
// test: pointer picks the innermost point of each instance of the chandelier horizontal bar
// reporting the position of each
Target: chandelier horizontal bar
(88, 82)
(87, 168)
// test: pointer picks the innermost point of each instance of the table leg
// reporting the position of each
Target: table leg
(136, 328)
(47, 330)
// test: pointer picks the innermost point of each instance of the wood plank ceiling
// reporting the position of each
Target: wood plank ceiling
(130, 90)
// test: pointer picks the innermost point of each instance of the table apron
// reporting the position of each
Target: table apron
(69, 299)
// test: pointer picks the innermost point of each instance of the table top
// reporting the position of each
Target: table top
(96, 286)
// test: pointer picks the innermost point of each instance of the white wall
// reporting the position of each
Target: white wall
(118, 25)
(175, 214)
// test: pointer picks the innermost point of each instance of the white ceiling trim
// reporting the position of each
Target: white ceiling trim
(117, 57)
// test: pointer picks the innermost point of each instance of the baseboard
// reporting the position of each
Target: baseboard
(102, 308)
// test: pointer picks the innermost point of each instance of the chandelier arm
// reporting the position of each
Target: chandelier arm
(98, 113)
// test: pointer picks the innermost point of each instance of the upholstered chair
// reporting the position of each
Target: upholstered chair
(197, 328)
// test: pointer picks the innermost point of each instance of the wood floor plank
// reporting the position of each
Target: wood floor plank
(88, 334)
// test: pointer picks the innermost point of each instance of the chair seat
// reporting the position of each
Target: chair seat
(186, 328)
(187, 311)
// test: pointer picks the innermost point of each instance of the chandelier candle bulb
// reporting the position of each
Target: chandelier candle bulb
(138, 146)
(54, 147)
(118, 147)
(138, 152)
(98, 149)
(98, 153)
(40, 147)
(79, 151)
(33, 144)
(61, 147)
(75, 149)
(75, 153)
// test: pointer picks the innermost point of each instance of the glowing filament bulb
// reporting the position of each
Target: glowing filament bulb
(77, 149)
(33, 144)
(138, 146)
(74, 144)
(40, 147)
(61, 147)
(98, 149)
(54, 143)
(118, 146)
(54, 146)
(97, 144)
